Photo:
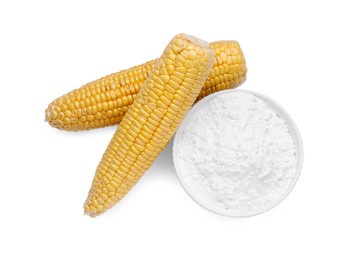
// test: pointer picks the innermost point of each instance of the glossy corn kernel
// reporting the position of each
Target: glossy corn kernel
(158, 109)
(104, 102)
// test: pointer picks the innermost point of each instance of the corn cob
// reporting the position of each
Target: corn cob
(151, 121)
(104, 102)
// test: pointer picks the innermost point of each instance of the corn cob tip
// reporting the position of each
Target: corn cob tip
(53, 116)
(47, 117)
(87, 211)
(97, 201)
(88, 206)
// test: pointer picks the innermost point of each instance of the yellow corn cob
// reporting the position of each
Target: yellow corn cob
(151, 121)
(104, 102)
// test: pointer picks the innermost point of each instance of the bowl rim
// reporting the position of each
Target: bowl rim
(276, 107)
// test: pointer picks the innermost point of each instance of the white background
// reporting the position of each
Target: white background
(298, 52)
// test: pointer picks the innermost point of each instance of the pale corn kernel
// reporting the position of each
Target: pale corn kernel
(164, 78)
(177, 80)
(170, 69)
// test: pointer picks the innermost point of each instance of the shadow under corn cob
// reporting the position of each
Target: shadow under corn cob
(150, 122)
(104, 102)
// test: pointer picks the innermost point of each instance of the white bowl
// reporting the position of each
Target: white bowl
(282, 114)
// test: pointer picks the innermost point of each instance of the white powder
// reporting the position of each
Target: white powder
(235, 155)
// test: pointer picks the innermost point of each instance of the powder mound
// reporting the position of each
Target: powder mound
(236, 155)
